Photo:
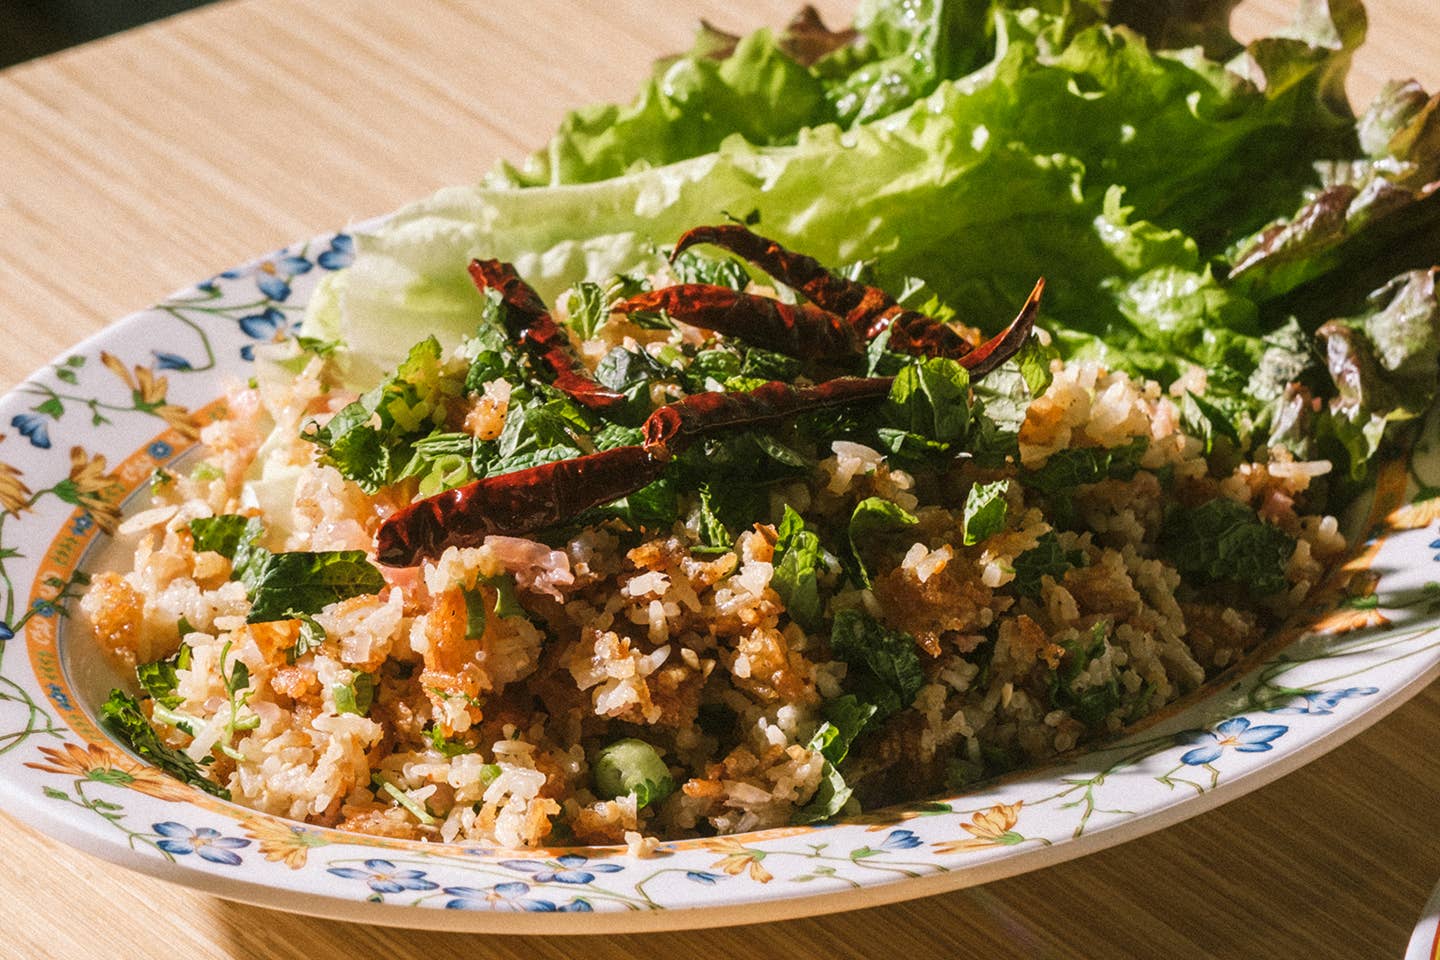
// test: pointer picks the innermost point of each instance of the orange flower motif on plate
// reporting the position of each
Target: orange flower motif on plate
(282, 842)
(1358, 611)
(14, 495)
(149, 393)
(988, 828)
(96, 763)
(90, 486)
(738, 858)
(1419, 514)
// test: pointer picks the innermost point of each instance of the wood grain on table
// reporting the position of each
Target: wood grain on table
(139, 164)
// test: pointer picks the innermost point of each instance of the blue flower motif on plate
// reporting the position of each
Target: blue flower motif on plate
(206, 842)
(340, 255)
(268, 325)
(213, 284)
(900, 840)
(566, 869)
(159, 450)
(32, 427)
(502, 896)
(1237, 732)
(1319, 703)
(704, 877)
(382, 876)
(273, 276)
(171, 361)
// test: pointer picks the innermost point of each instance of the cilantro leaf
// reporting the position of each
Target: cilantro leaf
(360, 441)
(1093, 704)
(122, 716)
(1225, 541)
(158, 679)
(312, 637)
(447, 748)
(985, 508)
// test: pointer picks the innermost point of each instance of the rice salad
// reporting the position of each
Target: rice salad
(795, 624)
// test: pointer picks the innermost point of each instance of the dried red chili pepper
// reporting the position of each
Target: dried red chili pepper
(799, 330)
(868, 310)
(530, 324)
(512, 503)
(549, 494)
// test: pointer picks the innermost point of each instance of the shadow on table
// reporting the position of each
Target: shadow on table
(956, 926)
(33, 28)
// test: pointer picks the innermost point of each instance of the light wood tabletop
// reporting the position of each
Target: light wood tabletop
(139, 164)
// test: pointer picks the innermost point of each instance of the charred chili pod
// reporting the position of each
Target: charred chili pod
(531, 326)
(798, 330)
(552, 493)
(868, 311)
(512, 503)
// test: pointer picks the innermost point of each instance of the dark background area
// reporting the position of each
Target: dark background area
(32, 28)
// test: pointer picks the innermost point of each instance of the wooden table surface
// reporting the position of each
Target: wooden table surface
(136, 165)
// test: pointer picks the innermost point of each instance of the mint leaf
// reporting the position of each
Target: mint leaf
(224, 534)
(1225, 541)
(985, 508)
(885, 667)
(158, 679)
(355, 696)
(715, 537)
(931, 399)
(871, 516)
(1046, 557)
(1069, 468)
(1034, 363)
(290, 584)
(845, 717)
(829, 798)
(1093, 704)
(798, 556)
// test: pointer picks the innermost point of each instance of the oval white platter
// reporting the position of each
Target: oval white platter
(83, 434)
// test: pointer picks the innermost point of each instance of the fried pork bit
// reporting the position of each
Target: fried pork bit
(452, 677)
(117, 614)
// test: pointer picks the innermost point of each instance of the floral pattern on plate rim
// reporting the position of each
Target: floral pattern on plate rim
(90, 429)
